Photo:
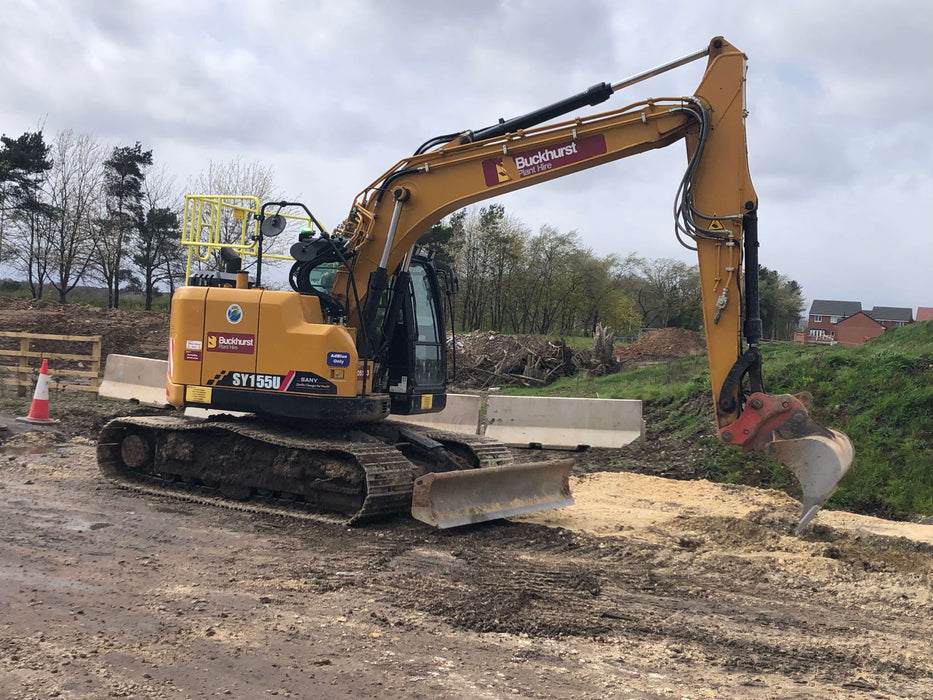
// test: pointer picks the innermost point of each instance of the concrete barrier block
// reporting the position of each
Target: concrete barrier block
(140, 378)
(461, 415)
(560, 423)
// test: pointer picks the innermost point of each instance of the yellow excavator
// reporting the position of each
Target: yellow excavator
(361, 336)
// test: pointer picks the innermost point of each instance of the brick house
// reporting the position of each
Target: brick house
(858, 328)
(892, 316)
(924, 313)
(826, 314)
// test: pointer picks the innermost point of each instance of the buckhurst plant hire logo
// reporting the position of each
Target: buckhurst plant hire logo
(540, 160)
(241, 343)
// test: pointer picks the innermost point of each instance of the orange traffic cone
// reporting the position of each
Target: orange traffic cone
(39, 411)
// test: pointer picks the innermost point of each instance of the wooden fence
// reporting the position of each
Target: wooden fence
(65, 368)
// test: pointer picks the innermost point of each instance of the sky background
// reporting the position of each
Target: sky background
(331, 93)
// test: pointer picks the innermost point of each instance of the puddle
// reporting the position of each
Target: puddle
(43, 581)
(42, 518)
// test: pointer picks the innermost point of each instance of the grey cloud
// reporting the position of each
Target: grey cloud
(334, 92)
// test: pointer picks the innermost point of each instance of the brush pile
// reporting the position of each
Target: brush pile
(488, 358)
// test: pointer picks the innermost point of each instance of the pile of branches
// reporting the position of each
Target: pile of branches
(487, 358)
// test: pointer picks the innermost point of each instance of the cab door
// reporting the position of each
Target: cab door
(418, 351)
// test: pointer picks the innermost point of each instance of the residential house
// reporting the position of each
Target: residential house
(924, 313)
(825, 314)
(858, 328)
(892, 316)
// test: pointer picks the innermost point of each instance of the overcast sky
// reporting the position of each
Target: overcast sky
(332, 92)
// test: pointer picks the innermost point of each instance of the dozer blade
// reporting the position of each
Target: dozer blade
(449, 499)
(818, 462)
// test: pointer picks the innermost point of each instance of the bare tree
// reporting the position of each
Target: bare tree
(666, 293)
(74, 191)
(233, 178)
(236, 177)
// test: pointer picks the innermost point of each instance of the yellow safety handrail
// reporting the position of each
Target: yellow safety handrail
(215, 221)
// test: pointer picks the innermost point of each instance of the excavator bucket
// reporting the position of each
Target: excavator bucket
(449, 499)
(819, 463)
(780, 426)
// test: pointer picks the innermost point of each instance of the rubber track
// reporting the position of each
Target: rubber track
(387, 473)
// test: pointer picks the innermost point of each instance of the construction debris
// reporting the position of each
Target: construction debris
(488, 358)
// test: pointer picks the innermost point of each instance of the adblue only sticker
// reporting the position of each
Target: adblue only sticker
(338, 359)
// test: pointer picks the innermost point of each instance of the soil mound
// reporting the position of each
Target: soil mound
(139, 333)
(662, 344)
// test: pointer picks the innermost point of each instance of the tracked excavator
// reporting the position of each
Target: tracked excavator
(361, 337)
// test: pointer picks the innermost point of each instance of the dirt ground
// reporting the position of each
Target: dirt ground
(667, 342)
(648, 587)
(139, 333)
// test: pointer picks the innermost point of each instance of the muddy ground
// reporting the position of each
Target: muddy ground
(649, 587)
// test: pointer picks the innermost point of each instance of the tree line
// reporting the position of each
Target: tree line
(515, 281)
(74, 211)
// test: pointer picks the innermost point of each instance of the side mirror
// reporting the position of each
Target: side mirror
(272, 226)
